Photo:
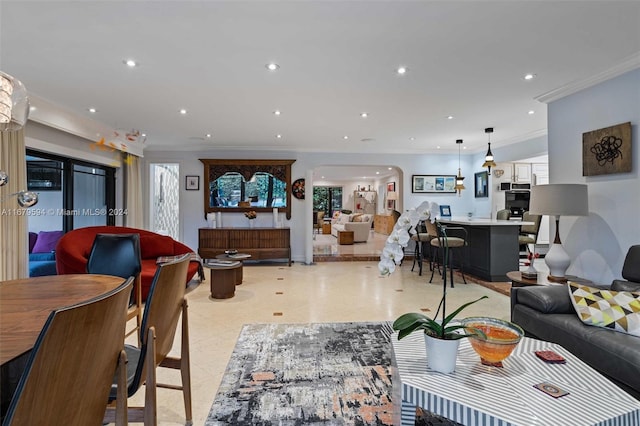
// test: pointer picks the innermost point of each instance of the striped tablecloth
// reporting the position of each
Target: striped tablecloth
(479, 395)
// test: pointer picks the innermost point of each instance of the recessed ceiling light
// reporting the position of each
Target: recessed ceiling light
(279, 136)
(364, 115)
(144, 135)
(531, 112)
(377, 173)
(277, 112)
(32, 108)
(529, 76)
(272, 66)
(450, 117)
(183, 111)
(92, 110)
(464, 147)
(130, 63)
(401, 70)
(438, 147)
(389, 168)
(345, 137)
(321, 177)
(412, 138)
(208, 135)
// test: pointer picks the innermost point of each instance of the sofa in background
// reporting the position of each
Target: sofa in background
(547, 313)
(73, 249)
(42, 255)
(359, 223)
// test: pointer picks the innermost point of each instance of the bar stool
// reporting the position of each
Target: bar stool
(421, 239)
(446, 245)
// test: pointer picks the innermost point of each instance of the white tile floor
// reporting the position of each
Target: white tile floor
(323, 292)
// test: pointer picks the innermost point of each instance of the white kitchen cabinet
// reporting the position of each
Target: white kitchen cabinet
(522, 172)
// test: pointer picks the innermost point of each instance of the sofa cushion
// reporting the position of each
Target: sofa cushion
(551, 299)
(32, 241)
(357, 217)
(153, 246)
(620, 285)
(617, 310)
(47, 241)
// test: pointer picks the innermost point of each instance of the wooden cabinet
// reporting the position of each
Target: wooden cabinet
(260, 243)
(383, 224)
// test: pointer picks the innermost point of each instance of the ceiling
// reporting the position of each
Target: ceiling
(465, 59)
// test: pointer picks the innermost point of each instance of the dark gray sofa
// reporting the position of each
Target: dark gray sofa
(546, 313)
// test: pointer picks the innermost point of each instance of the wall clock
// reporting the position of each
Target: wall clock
(297, 189)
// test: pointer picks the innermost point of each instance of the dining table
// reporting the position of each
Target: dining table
(25, 305)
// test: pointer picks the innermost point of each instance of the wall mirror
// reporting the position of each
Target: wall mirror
(242, 185)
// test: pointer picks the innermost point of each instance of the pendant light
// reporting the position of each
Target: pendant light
(488, 159)
(459, 179)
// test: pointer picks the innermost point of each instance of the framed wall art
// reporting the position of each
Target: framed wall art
(607, 151)
(481, 184)
(433, 183)
(391, 186)
(192, 183)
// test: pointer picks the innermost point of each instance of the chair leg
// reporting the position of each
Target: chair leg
(185, 363)
(150, 397)
(121, 398)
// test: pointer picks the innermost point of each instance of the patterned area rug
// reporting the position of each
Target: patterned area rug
(291, 374)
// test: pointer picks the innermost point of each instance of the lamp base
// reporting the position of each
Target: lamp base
(556, 279)
(558, 262)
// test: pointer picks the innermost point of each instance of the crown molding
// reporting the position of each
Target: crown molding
(52, 115)
(628, 64)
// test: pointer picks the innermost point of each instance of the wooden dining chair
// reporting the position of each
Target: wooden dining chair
(165, 304)
(70, 370)
(119, 255)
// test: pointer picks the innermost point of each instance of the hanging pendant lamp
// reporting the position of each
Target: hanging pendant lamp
(488, 159)
(459, 179)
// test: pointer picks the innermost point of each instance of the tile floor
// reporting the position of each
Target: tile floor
(322, 292)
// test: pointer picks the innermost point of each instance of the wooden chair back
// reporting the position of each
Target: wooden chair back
(71, 367)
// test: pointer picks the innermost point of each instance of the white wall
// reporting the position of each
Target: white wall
(597, 243)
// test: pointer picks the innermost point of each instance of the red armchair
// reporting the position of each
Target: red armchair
(73, 249)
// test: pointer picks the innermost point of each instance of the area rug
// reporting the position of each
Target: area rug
(292, 374)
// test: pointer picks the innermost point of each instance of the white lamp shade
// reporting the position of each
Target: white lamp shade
(560, 199)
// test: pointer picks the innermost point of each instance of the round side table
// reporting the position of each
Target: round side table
(239, 257)
(223, 279)
(517, 280)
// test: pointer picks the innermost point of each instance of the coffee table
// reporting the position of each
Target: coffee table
(480, 395)
(224, 278)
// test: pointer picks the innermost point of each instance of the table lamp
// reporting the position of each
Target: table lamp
(563, 199)
(392, 196)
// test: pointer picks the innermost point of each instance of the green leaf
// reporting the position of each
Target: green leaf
(457, 311)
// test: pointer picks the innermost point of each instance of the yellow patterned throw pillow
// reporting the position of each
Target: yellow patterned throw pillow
(617, 310)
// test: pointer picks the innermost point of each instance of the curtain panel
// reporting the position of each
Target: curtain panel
(14, 231)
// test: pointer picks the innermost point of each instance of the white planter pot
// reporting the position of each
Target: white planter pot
(441, 354)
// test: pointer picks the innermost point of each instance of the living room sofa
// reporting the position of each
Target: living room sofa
(359, 223)
(547, 313)
(73, 249)
(42, 254)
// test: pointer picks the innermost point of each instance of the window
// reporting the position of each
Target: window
(72, 193)
(327, 199)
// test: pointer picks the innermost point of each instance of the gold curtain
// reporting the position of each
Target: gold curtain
(133, 191)
(14, 240)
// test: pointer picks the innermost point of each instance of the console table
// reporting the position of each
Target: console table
(260, 243)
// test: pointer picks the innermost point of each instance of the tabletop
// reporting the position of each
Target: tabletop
(25, 305)
(482, 395)
(479, 221)
(518, 280)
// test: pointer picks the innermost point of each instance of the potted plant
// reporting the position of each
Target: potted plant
(441, 338)
(251, 215)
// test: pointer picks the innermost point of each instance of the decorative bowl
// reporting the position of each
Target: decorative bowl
(501, 338)
(231, 252)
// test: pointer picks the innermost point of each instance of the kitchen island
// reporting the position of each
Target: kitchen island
(493, 248)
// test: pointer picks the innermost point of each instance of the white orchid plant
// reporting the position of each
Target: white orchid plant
(392, 253)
